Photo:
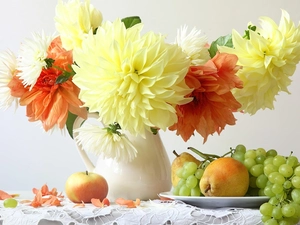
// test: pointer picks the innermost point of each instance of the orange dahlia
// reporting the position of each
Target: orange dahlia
(213, 103)
(48, 100)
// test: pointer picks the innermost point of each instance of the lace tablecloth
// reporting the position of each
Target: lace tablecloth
(152, 212)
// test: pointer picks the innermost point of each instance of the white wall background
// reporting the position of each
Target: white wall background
(30, 157)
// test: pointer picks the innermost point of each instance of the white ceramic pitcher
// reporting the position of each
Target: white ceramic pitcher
(144, 178)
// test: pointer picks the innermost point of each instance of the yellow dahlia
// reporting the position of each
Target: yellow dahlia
(131, 79)
(74, 20)
(268, 58)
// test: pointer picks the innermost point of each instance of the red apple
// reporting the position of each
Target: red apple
(83, 186)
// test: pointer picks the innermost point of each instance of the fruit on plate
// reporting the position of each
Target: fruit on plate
(83, 186)
(178, 163)
(225, 177)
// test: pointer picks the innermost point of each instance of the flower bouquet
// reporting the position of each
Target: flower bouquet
(136, 82)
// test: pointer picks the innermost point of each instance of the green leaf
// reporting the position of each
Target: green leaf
(62, 78)
(70, 123)
(131, 21)
(49, 62)
(65, 75)
(154, 130)
(221, 41)
(247, 32)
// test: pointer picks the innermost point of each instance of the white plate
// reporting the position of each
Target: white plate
(219, 202)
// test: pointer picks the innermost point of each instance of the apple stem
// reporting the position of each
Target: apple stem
(87, 172)
(175, 153)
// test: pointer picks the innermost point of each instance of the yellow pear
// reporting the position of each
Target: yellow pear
(225, 177)
(178, 163)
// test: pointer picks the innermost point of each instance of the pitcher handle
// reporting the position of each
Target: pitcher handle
(86, 160)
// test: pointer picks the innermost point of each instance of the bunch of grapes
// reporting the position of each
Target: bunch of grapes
(277, 177)
(271, 174)
(190, 174)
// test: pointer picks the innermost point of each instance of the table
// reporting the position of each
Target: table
(152, 212)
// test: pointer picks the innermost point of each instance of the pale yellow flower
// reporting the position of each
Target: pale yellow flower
(131, 79)
(268, 59)
(99, 141)
(8, 63)
(31, 59)
(194, 44)
(74, 20)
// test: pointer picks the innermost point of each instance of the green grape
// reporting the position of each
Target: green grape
(249, 162)
(279, 179)
(271, 221)
(205, 164)
(268, 191)
(252, 182)
(175, 190)
(277, 188)
(294, 220)
(250, 154)
(276, 213)
(265, 218)
(239, 156)
(297, 171)
(186, 174)
(266, 209)
(261, 192)
(296, 181)
(287, 184)
(269, 160)
(181, 182)
(283, 221)
(271, 152)
(240, 148)
(190, 167)
(292, 160)
(179, 172)
(281, 196)
(288, 210)
(272, 176)
(260, 151)
(10, 203)
(257, 170)
(288, 221)
(199, 173)
(278, 160)
(295, 194)
(274, 200)
(191, 181)
(297, 209)
(261, 181)
(270, 168)
(260, 159)
(196, 191)
(286, 170)
(184, 191)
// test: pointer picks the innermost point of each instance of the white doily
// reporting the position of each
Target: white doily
(154, 212)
